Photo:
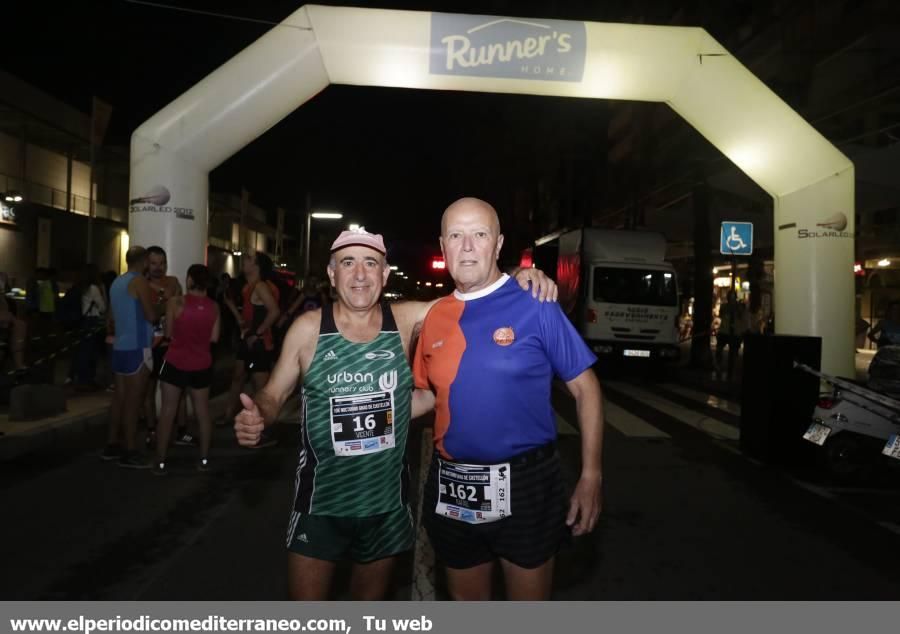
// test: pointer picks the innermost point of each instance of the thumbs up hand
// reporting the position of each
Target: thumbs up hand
(249, 423)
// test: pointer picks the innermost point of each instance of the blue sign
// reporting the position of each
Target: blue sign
(488, 46)
(736, 238)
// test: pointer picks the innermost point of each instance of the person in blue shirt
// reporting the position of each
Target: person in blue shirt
(132, 316)
(489, 353)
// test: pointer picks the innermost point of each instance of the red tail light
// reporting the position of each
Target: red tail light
(591, 316)
(827, 402)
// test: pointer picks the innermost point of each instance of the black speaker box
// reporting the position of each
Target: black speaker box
(777, 401)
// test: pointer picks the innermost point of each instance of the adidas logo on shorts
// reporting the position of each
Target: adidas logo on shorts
(302, 537)
(330, 356)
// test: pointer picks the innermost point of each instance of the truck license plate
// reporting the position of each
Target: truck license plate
(637, 353)
(892, 447)
(817, 433)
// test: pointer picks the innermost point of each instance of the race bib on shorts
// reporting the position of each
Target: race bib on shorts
(362, 424)
(475, 494)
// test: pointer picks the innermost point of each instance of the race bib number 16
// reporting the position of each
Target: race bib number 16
(362, 424)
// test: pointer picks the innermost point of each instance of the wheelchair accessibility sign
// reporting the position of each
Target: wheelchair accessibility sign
(736, 238)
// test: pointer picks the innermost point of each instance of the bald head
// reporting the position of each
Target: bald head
(470, 207)
(135, 257)
(471, 243)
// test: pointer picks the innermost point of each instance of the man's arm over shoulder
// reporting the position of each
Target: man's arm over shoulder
(542, 287)
(296, 356)
(422, 402)
(410, 316)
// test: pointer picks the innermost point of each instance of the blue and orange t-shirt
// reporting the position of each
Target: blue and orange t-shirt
(490, 357)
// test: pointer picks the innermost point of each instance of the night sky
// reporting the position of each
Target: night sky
(390, 159)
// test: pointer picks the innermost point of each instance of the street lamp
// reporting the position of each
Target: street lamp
(318, 215)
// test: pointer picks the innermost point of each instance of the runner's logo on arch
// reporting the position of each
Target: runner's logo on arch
(488, 46)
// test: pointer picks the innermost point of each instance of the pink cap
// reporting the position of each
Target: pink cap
(359, 238)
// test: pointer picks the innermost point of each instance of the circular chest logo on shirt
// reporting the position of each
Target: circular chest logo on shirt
(504, 336)
(380, 355)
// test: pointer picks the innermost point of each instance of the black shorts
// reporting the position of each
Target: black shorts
(256, 358)
(194, 379)
(532, 534)
(159, 354)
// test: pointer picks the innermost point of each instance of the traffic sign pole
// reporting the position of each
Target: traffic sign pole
(733, 270)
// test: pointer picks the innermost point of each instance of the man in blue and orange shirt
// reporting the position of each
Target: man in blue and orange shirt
(489, 353)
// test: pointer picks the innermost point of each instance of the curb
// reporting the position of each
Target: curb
(48, 437)
(65, 431)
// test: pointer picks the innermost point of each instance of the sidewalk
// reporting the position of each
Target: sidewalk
(84, 413)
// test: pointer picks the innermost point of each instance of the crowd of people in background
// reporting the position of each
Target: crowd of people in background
(147, 336)
(163, 338)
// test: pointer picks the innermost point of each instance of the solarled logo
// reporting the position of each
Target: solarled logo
(487, 46)
(155, 201)
(832, 227)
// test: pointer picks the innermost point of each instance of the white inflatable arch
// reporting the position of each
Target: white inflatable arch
(810, 181)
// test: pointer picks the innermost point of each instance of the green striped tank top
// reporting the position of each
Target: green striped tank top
(356, 400)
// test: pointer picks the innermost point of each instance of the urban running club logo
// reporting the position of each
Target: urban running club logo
(387, 382)
(486, 46)
(350, 377)
(833, 227)
(155, 200)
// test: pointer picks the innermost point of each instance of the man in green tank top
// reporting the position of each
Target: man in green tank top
(352, 360)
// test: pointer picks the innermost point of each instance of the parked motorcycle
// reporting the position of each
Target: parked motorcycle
(854, 423)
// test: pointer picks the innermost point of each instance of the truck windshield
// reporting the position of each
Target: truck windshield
(634, 286)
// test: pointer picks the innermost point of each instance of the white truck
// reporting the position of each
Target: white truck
(618, 290)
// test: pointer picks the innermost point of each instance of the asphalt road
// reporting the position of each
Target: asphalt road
(686, 516)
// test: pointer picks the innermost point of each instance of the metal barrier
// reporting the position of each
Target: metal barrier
(81, 333)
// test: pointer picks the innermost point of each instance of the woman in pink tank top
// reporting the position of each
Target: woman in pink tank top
(192, 324)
